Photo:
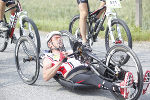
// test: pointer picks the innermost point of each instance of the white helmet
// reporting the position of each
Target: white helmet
(51, 34)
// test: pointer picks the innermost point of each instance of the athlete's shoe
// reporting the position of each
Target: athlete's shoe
(146, 81)
(87, 46)
(124, 85)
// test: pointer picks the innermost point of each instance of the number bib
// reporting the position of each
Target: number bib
(113, 3)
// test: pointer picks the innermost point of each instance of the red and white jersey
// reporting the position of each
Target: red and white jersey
(65, 67)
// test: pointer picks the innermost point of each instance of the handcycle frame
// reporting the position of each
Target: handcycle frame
(88, 56)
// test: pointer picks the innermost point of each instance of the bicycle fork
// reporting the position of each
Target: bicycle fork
(111, 30)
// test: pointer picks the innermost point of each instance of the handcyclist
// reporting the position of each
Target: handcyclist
(3, 4)
(57, 61)
(83, 9)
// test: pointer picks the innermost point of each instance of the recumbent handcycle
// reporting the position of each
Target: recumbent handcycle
(119, 59)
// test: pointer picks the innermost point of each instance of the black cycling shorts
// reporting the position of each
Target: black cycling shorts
(86, 1)
(9, 2)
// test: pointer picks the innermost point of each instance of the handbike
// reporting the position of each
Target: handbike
(26, 25)
(110, 68)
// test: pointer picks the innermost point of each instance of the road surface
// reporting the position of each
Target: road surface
(12, 87)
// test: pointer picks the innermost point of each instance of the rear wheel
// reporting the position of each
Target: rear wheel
(115, 58)
(27, 60)
(74, 29)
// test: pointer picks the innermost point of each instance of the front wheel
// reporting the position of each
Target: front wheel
(30, 29)
(114, 60)
(27, 60)
(121, 34)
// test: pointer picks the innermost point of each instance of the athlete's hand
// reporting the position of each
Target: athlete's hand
(63, 57)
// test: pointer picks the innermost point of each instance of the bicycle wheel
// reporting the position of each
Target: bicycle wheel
(30, 29)
(114, 61)
(121, 34)
(3, 40)
(27, 61)
(74, 29)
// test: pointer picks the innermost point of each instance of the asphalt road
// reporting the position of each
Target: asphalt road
(12, 87)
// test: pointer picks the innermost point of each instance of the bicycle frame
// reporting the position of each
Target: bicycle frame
(110, 15)
(18, 13)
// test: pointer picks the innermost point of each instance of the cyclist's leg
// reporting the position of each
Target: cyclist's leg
(101, 5)
(2, 11)
(2, 8)
(10, 4)
(83, 15)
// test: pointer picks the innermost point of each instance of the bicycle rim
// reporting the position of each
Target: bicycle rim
(29, 29)
(27, 60)
(115, 56)
(121, 34)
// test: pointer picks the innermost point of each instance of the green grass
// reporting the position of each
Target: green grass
(56, 14)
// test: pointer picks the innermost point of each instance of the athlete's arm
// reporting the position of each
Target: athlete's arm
(49, 71)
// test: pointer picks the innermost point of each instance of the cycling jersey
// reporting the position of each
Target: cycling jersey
(9, 2)
(86, 1)
(65, 67)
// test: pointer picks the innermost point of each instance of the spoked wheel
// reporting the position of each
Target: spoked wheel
(115, 57)
(121, 34)
(30, 29)
(74, 29)
(27, 60)
(3, 40)
(74, 26)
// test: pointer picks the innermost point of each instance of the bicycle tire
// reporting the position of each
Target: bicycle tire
(76, 30)
(137, 71)
(74, 19)
(3, 42)
(125, 27)
(27, 60)
(34, 35)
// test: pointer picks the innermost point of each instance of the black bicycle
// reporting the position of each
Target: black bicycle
(117, 31)
(26, 25)
(28, 64)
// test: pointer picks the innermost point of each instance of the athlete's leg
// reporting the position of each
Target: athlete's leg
(93, 79)
(83, 9)
(101, 5)
(2, 9)
(11, 4)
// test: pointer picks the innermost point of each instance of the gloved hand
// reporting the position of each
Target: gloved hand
(63, 57)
